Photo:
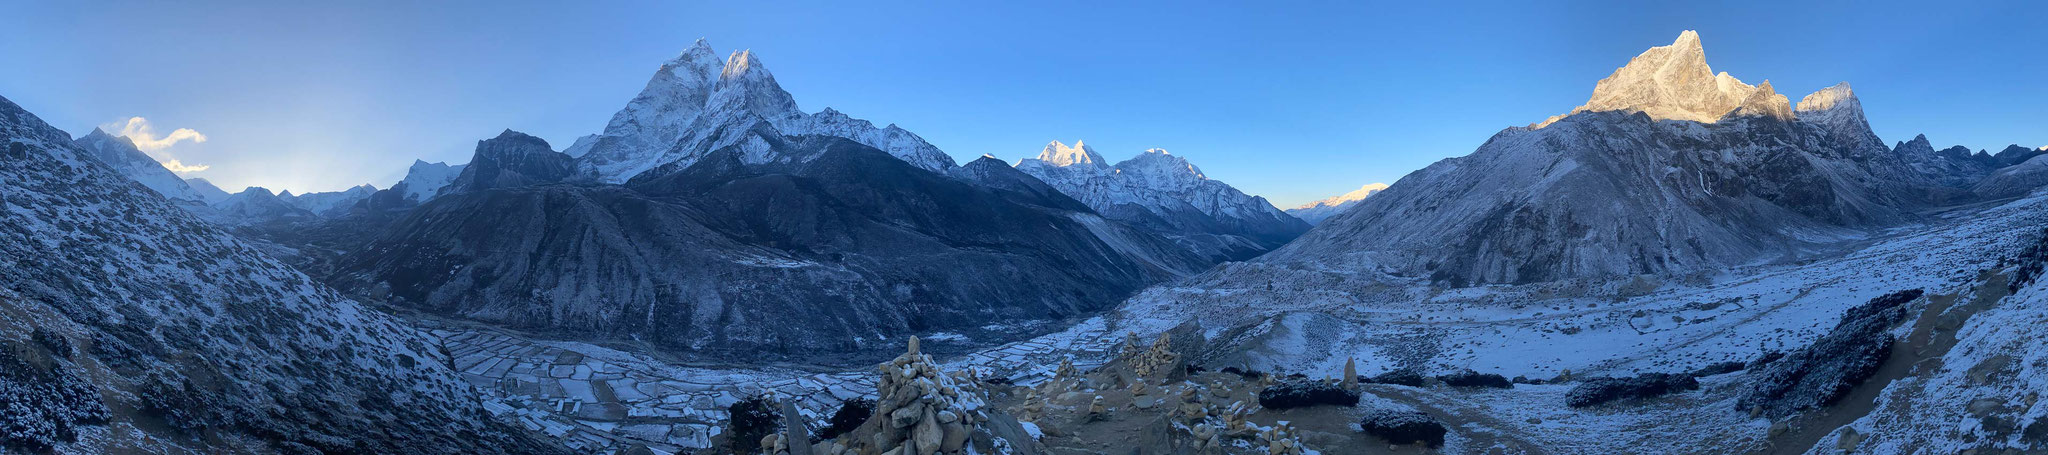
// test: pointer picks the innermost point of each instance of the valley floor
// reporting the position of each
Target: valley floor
(1311, 321)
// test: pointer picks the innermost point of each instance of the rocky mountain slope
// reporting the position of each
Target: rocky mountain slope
(696, 104)
(1669, 169)
(831, 250)
(129, 324)
(1160, 191)
(1315, 212)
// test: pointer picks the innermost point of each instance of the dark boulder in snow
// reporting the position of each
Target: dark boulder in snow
(1826, 370)
(1595, 391)
(1403, 427)
(1305, 393)
(1403, 376)
(1718, 368)
(1469, 378)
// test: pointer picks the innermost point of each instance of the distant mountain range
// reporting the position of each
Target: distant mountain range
(1316, 212)
(1164, 192)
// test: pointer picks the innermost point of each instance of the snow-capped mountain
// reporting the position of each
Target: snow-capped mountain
(1316, 212)
(425, 180)
(133, 326)
(121, 154)
(697, 103)
(1164, 192)
(1668, 169)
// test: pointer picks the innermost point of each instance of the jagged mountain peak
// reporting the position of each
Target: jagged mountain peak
(745, 82)
(512, 159)
(1764, 102)
(698, 104)
(697, 52)
(1833, 97)
(1156, 161)
(523, 139)
(1059, 154)
(98, 134)
(1670, 82)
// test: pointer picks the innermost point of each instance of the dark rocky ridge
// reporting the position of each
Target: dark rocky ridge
(833, 248)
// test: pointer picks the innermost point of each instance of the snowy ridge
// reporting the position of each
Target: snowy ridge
(1316, 212)
(697, 104)
(425, 180)
(206, 190)
(331, 203)
(1161, 191)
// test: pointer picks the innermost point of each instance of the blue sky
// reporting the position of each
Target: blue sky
(1292, 101)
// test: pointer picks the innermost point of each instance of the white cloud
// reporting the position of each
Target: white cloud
(139, 130)
(182, 168)
(144, 135)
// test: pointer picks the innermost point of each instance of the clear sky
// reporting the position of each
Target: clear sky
(1293, 101)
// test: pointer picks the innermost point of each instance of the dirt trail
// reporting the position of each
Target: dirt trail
(1921, 351)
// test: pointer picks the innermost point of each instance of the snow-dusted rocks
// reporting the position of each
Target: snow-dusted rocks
(697, 104)
(1166, 193)
(203, 343)
(120, 154)
(1315, 212)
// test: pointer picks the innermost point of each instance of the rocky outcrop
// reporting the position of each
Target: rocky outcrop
(512, 159)
(1837, 362)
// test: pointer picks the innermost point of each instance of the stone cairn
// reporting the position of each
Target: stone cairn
(1159, 357)
(921, 411)
(1281, 439)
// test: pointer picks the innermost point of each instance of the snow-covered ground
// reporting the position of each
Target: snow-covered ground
(1310, 321)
